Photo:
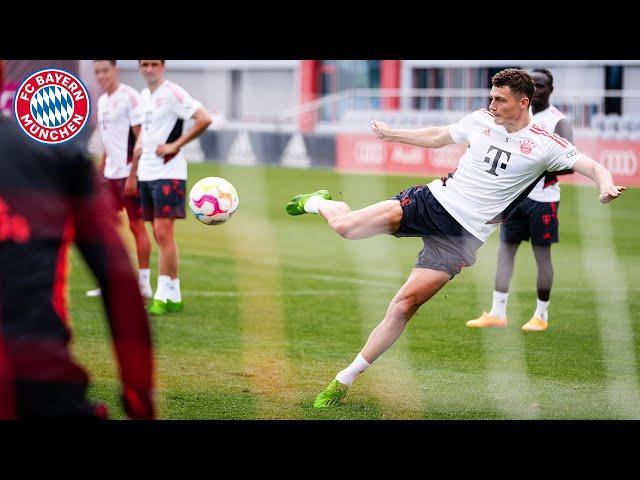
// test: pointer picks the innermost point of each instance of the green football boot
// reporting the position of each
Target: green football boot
(174, 306)
(331, 395)
(296, 205)
(157, 307)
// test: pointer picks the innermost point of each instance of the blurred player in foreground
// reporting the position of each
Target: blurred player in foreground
(51, 197)
(507, 155)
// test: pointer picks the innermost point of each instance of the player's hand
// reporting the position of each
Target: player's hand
(139, 405)
(381, 130)
(131, 186)
(167, 149)
(611, 193)
(137, 151)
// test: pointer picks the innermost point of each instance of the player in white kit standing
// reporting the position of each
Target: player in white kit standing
(507, 155)
(119, 119)
(162, 173)
(536, 218)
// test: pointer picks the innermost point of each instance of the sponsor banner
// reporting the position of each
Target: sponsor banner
(365, 153)
(620, 157)
(269, 148)
(360, 152)
(321, 149)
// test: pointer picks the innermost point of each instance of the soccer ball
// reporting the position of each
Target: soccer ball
(213, 200)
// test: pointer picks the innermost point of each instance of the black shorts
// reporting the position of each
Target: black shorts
(164, 198)
(132, 205)
(533, 220)
(447, 245)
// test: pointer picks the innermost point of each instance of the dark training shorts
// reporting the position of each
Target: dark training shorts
(447, 245)
(164, 198)
(533, 220)
(132, 205)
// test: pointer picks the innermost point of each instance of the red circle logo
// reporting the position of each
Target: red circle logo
(52, 106)
(526, 147)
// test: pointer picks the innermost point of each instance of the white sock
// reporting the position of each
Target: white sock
(499, 307)
(163, 287)
(311, 205)
(541, 309)
(144, 276)
(174, 291)
(349, 374)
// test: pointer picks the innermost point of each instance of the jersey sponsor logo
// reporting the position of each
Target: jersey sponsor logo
(571, 153)
(496, 160)
(487, 132)
(52, 106)
(620, 162)
(526, 146)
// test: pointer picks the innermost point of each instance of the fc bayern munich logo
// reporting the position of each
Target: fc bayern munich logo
(526, 147)
(52, 106)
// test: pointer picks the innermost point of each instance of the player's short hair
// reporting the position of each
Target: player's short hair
(140, 61)
(517, 80)
(545, 72)
(112, 62)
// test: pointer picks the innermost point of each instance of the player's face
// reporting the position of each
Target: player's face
(152, 70)
(543, 89)
(106, 74)
(505, 105)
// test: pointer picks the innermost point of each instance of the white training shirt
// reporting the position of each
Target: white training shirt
(163, 113)
(547, 118)
(117, 113)
(496, 169)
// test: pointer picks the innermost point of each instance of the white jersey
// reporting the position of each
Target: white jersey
(497, 170)
(164, 112)
(117, 113)
(547, 118)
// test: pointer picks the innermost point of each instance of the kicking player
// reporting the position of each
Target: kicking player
(162, 173)
(536, 218)
(119, 119)
(507, 155)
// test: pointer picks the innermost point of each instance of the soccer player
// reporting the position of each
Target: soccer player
(119, 119)
(536, 218)
(507, 155)
(51, 197)
(162, 172)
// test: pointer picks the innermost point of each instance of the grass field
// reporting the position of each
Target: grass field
(276, 305)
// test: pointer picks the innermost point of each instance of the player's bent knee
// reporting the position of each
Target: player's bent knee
(342, 227)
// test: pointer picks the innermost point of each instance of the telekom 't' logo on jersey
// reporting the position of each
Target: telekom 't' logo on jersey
(51, 106)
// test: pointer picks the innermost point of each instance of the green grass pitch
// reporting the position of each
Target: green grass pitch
(276, 305)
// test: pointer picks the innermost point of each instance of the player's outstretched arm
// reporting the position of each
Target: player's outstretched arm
(601, 176)
(430, 137)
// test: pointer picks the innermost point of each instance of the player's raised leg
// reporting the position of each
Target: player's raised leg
(421, 285)
(379, 218)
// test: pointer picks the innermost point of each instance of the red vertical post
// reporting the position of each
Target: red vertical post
(308, 92)
(390, 78)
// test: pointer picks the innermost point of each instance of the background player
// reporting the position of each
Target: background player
(119, 119)
(162, 172)
(536, 218)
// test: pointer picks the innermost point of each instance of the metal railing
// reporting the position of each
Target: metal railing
(581, 106)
